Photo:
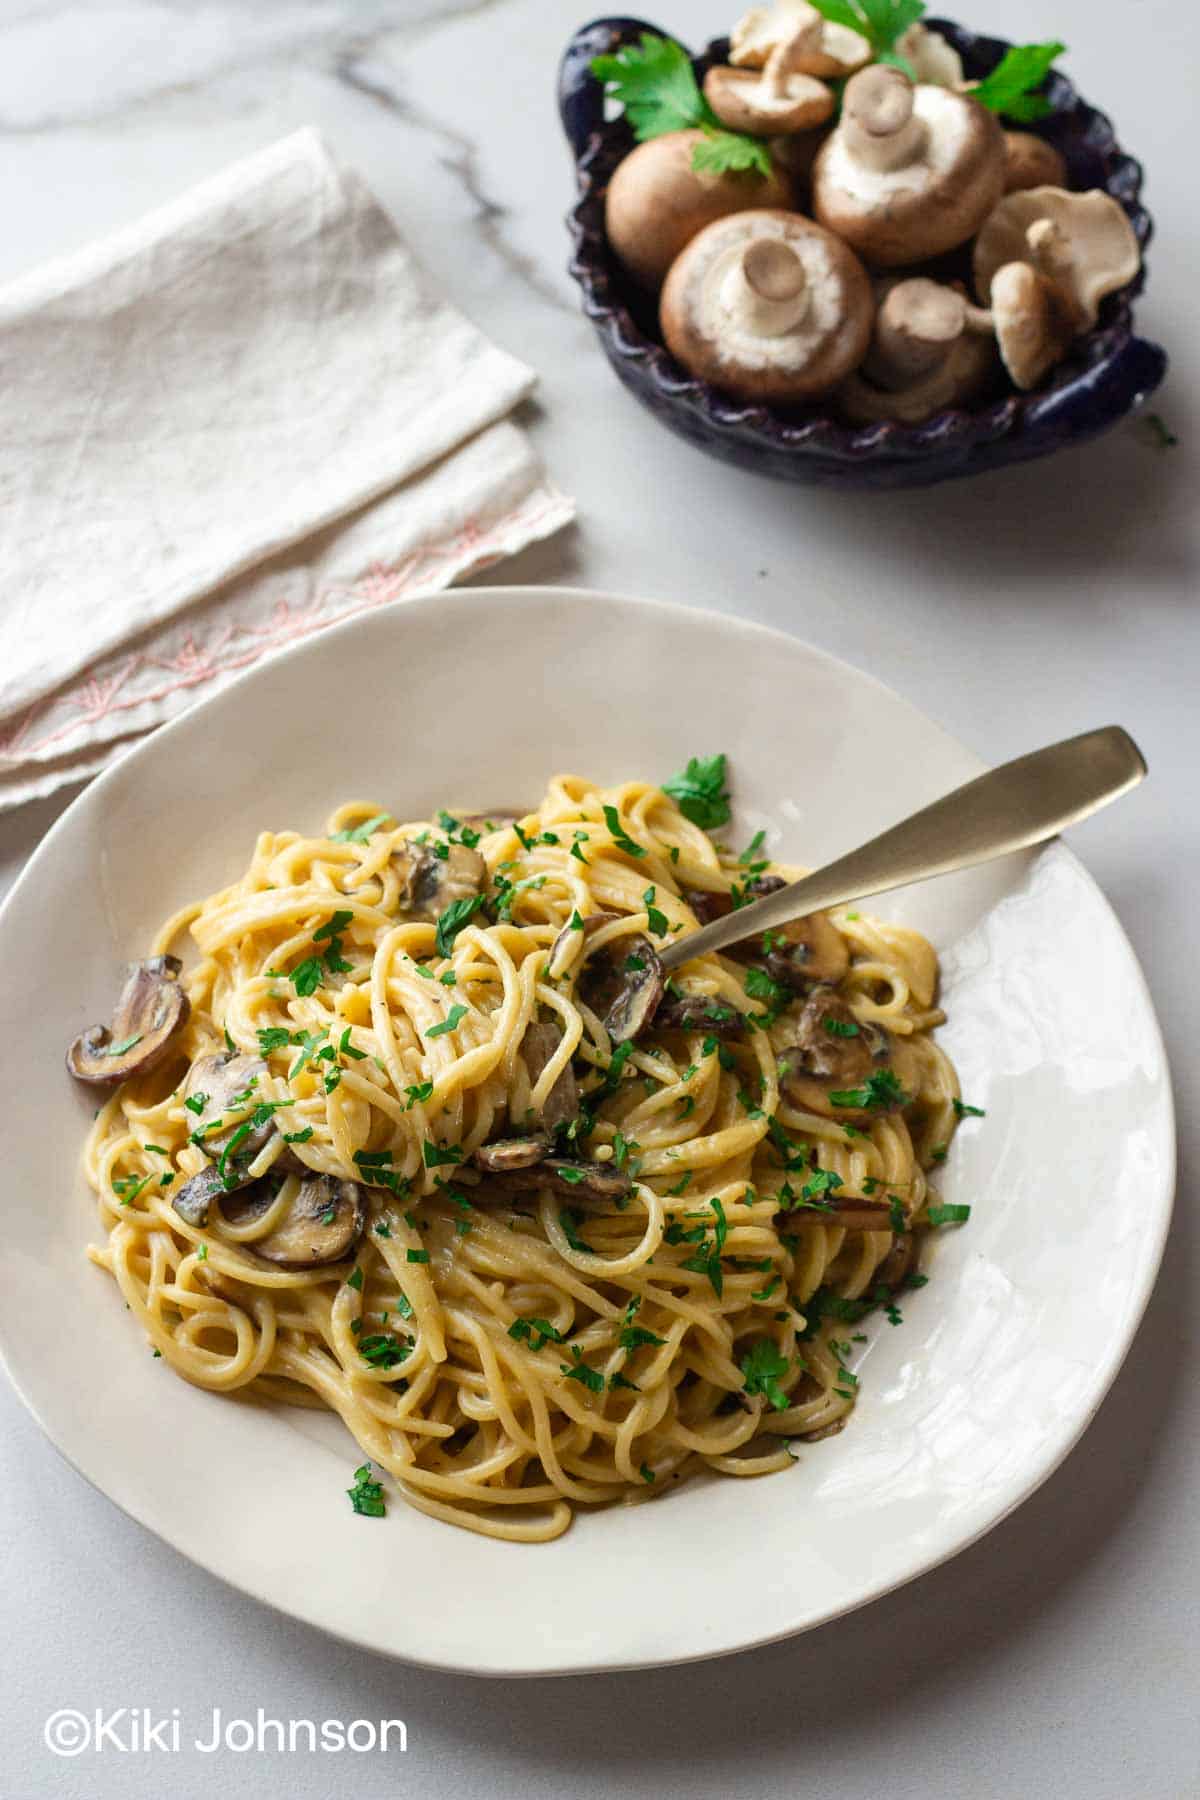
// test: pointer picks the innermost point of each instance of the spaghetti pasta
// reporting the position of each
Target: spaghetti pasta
(559, 1279)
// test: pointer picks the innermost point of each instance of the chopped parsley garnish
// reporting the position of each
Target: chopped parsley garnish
(420, 1091)
(842, 1028)
(700, 793)
(634, 1336)
(358, 834)
(570, 1218)
(948, 1214)
(308, 1042)
(458, 914)
(537, 1333)
(306, 976)
(880, 1090)
(617, 1061)
(750, 853)
(681, 1186)
(366, 1496)
(416, 1256)
(130, 1187)
(620, 836)
(962, 1111)
(899, 1222)
(763, 1366)
(454, 1017)
(383, 1350)
(346, 1048)
(436, 1155)
(575, 923)
(578, 1370)
(274, 1037)
(355, 1278)
(647, 1473)
(761, 986)
(125, 1044)
(656, 920)
(196, 1103)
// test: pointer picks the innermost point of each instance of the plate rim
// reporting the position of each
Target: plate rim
(1121, 1343)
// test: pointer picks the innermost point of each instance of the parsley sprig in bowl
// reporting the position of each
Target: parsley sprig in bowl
(685, 109)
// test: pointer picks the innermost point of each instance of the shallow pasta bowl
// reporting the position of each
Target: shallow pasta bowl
(1002, 1358)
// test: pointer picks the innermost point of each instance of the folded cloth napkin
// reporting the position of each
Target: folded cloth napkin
(235, 422)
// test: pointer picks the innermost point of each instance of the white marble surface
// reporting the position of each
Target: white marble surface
(1059, 1655)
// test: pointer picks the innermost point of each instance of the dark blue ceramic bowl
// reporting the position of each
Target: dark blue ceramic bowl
(1110, 373)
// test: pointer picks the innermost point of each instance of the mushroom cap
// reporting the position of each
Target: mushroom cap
(151, 1009)
(931, 56)
(431, 883)
(832, 50)
(1030, 162)
(743, 101)
(823, 1062)
(1034, 327)
(540, 1046)
(957, 380)
(735, 275)
(1092, 252)
(320, 1220)
(925, 205)
(657, 202)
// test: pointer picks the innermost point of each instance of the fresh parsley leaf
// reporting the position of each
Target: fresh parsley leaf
(416, 1256)
(456, 915)
(700, 792)
(762, 1368)
(275, 1037)
(570, 1218)
(383, 1350)
(358, 834)
(366, 1496)
(880, 1090)
(453, 1018)
(731, 153)
(656, 920)
(842, 1028)
(750, 853)
(537, 1333)
(438, 1154)
(306, 976)
(125, 1044)
(1010, 88)
(578, 1370)
(948, 1214)
(419, 1092)
(962, 1111)
(634, 1336)
(620, 836)
(881, 22)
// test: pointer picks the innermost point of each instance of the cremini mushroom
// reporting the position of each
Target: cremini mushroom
(1082, 244)
(193, 1201)
(931, 349)
(834, 1064)
(506, 1156)
(848, 1211)
(1031, 162)
(625, 985)
(797, 954)
(572, 1179)
(778, 99)
(151, 1009)
(539, 1047)
(657, 201)
(224, 1091)
(768, 306)
(320, 1219)
(910, 171)
(430, 883)
(1033, 323)
(824, 48)
(930, 56)
(700, 1012)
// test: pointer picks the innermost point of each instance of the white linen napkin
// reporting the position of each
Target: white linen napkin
(240, 419)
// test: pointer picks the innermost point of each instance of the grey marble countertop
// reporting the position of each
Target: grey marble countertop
(1059, 1655)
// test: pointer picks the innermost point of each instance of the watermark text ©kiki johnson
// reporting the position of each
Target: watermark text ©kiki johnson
(138, 1731)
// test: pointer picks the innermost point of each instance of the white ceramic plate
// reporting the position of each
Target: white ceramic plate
(474, 698)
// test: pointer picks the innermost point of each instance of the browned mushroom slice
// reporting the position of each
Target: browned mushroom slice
(591, 926)
(151, 1009)
(700, 1012)
(509, 1155)
(194, 1200)
(322, 1224)
(845, 1210)
(430, 883)
(228, 1087)
(625, 984)
(828, 1055)
(564, 1175)
(538, 1047)
(796, 954)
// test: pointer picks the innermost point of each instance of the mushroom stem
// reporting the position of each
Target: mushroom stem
(879, 126)
(916, 327)
(765, 291)
(1051, 253)
(789, 55)
(978, 320)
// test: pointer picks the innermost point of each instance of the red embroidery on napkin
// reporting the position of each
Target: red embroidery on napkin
(232, 647)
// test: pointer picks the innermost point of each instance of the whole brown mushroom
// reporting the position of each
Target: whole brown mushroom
(779, 98)
(910, 171)
(768, 306)
(657, 202)
(931, 349)
(1031, 162)
(820, 47)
